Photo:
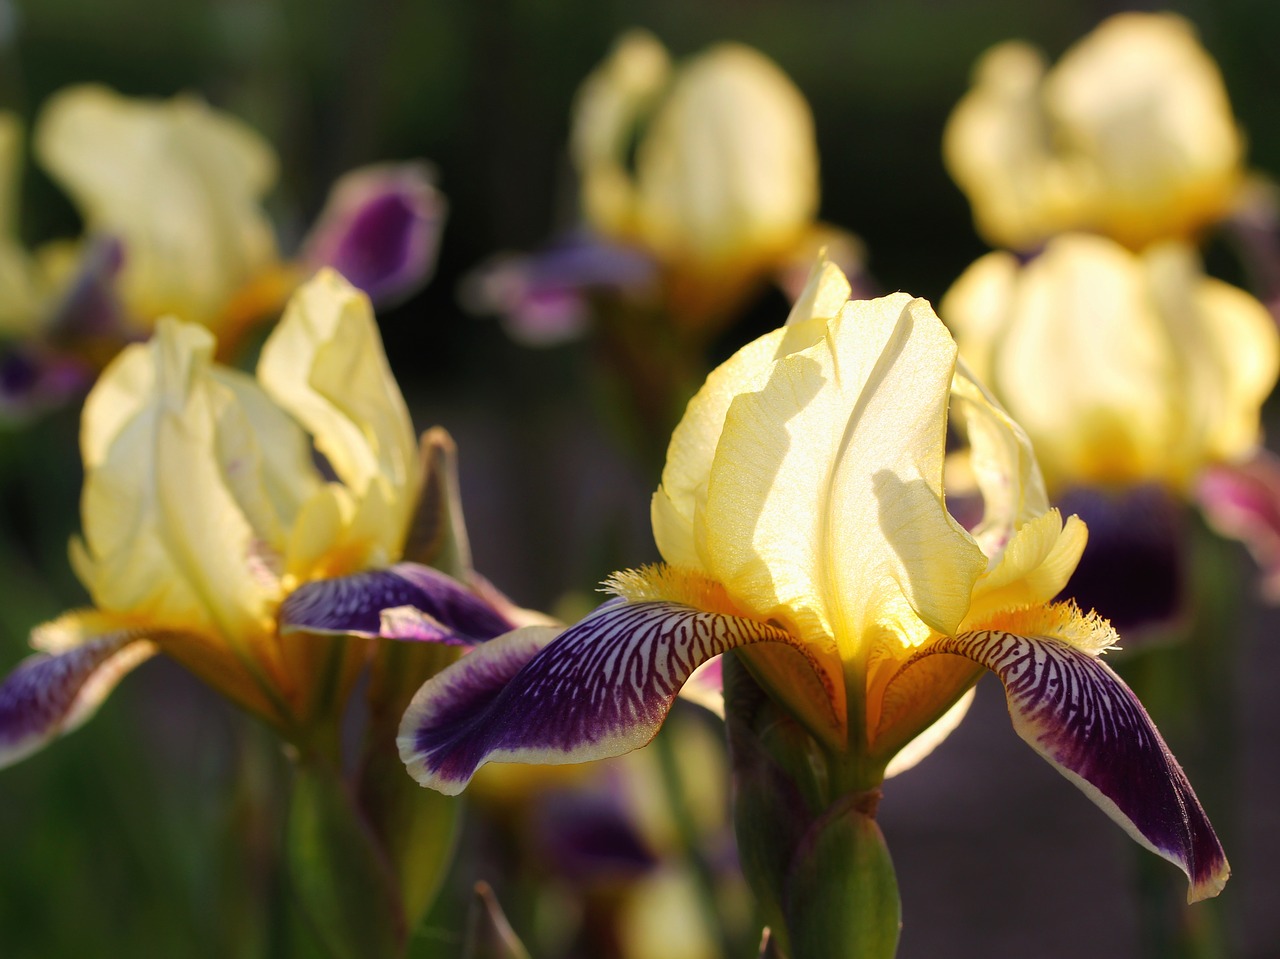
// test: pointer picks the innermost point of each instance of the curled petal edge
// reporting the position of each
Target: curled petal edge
(538, 695)
(1073, 710)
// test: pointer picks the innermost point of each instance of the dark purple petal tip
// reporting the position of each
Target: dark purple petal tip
(600, 688)
(407, 601)
(50, 694)
(1079, 715)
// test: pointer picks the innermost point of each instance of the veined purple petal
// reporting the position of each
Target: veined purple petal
(406, 601)
(1243, 503)
(51, 694)
(1079, 715)
(380, 229)
(34, 378)
(600, 688)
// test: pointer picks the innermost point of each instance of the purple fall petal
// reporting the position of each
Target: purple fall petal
(1243, 502)
(600, 688)
(406, 601)
(1081, 717)
(380, 229)
(50, 694)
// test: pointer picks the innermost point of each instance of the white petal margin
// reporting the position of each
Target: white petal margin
(50, 694)
(1073, 710)
(600, 688)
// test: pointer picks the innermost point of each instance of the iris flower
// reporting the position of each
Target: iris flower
(803, 526)
(171, 194)
(698, 180)
(1140, 381)
(1130, 135)
(203, 508)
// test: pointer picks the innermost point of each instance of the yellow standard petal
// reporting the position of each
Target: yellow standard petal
(179, 182)
(1130, 134)
(325, 365)
(824, 501)
(172, 491)
(1122, 368)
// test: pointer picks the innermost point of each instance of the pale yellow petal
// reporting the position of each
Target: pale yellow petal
(1143, 102)
(608, 107)
(164, 537)
(1002, 462)
(728, 169)
(1034, 567)
(824, 505)
(693, 443)
(825, 292)
(1086, 366)
(180, 183)
(324, 364)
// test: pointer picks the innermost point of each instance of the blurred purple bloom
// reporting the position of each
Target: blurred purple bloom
(380, 228)
(543, 297)
(1134, 568)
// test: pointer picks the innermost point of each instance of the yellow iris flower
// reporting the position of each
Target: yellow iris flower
(1123, 368)
(202, 506)
(724, 183)
(181, 185)
(1130, 135)
(803, 523)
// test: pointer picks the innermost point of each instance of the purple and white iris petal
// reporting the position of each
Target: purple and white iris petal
(50, 694)
(373, 604)
(600, 688)
(1080, 716)
(380, 229)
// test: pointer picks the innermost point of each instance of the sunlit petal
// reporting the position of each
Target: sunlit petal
(824, 501)
(324, 364)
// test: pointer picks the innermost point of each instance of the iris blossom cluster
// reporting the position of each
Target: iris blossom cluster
(171, 194)
(1139, 379)
(804, 530)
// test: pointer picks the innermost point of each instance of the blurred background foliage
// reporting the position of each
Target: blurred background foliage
(115, 842)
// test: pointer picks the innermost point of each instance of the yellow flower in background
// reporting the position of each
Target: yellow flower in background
(171, 194)
(1130, 135)
(179, 184)
(723, 184)
(1123, 368)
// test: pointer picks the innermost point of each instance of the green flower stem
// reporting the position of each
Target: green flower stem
(686, 829)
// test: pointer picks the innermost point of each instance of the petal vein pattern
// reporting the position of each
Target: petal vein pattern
(600, 688)
(1080, 716)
